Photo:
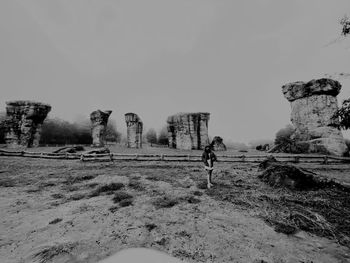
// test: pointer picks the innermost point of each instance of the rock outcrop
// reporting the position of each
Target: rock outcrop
(134, 130)
(218, 144)
(23, 123)
(99, 120)
(313, 104)
(188, 131)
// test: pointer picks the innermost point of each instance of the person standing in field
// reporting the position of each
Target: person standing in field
(208, 158)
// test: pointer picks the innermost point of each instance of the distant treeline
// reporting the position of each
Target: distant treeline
(56, 131)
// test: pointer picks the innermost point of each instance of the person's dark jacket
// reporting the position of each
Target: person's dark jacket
(205, 157)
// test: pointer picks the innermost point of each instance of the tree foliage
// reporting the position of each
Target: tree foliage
(57, 131)
(2, 130)
(151, 136)
(343, 115)
(163, 136)
(345, 23)
(283, 136)
(112, 135)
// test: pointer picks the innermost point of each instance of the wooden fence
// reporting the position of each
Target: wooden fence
(294, 158)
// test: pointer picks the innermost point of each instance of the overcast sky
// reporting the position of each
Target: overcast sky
(160, 57)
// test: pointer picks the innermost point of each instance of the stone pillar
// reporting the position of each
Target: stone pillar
(23, 123)
(134, 130)
(313, 105)
(188, 131)
(204, 138)
(99, 120)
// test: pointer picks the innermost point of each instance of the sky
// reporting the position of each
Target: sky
(160, 57)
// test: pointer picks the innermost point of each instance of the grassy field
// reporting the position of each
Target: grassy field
(69, 211)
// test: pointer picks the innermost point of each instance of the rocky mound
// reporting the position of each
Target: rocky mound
(278, 174)
(218, 144)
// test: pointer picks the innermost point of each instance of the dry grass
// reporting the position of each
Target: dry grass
(47, 254)
(107, 188)
(324, 212)
(165, 202)
(170, 201)
(136, 185)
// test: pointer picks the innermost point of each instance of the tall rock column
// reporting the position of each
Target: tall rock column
(134, 130)
(203, 130)
(313, 105)
(99, 120)
(188, 131)
(23, 123)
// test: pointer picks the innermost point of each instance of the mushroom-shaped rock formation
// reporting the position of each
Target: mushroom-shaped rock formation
(188, 131)
(313, 105)
(23, 123)
(134, 130)
(99, 120)
(218, 144)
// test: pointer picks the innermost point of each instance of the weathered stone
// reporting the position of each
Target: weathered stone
(218, 144)
(23, 123)
(188, 131)
(313, 105)
(134, 130)
(299, 89)
(99, 120)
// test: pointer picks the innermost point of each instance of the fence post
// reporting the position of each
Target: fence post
(136, 156)
(82, 157)
(111, 156)
(325, 159)
(296, 159)
(188, 157)
(162, 157)
(243, 158)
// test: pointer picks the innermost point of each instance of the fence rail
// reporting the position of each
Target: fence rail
(295, 158)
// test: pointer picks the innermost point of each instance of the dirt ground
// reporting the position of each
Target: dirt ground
(71, 211)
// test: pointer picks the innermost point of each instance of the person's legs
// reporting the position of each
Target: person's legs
(209, 184)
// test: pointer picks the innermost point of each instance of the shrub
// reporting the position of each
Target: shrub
(55, 221)
(165, 202)
(120, 196)
(136, 185)
(126, 202)
(108, 188)
(283, 136)
(347, 142)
